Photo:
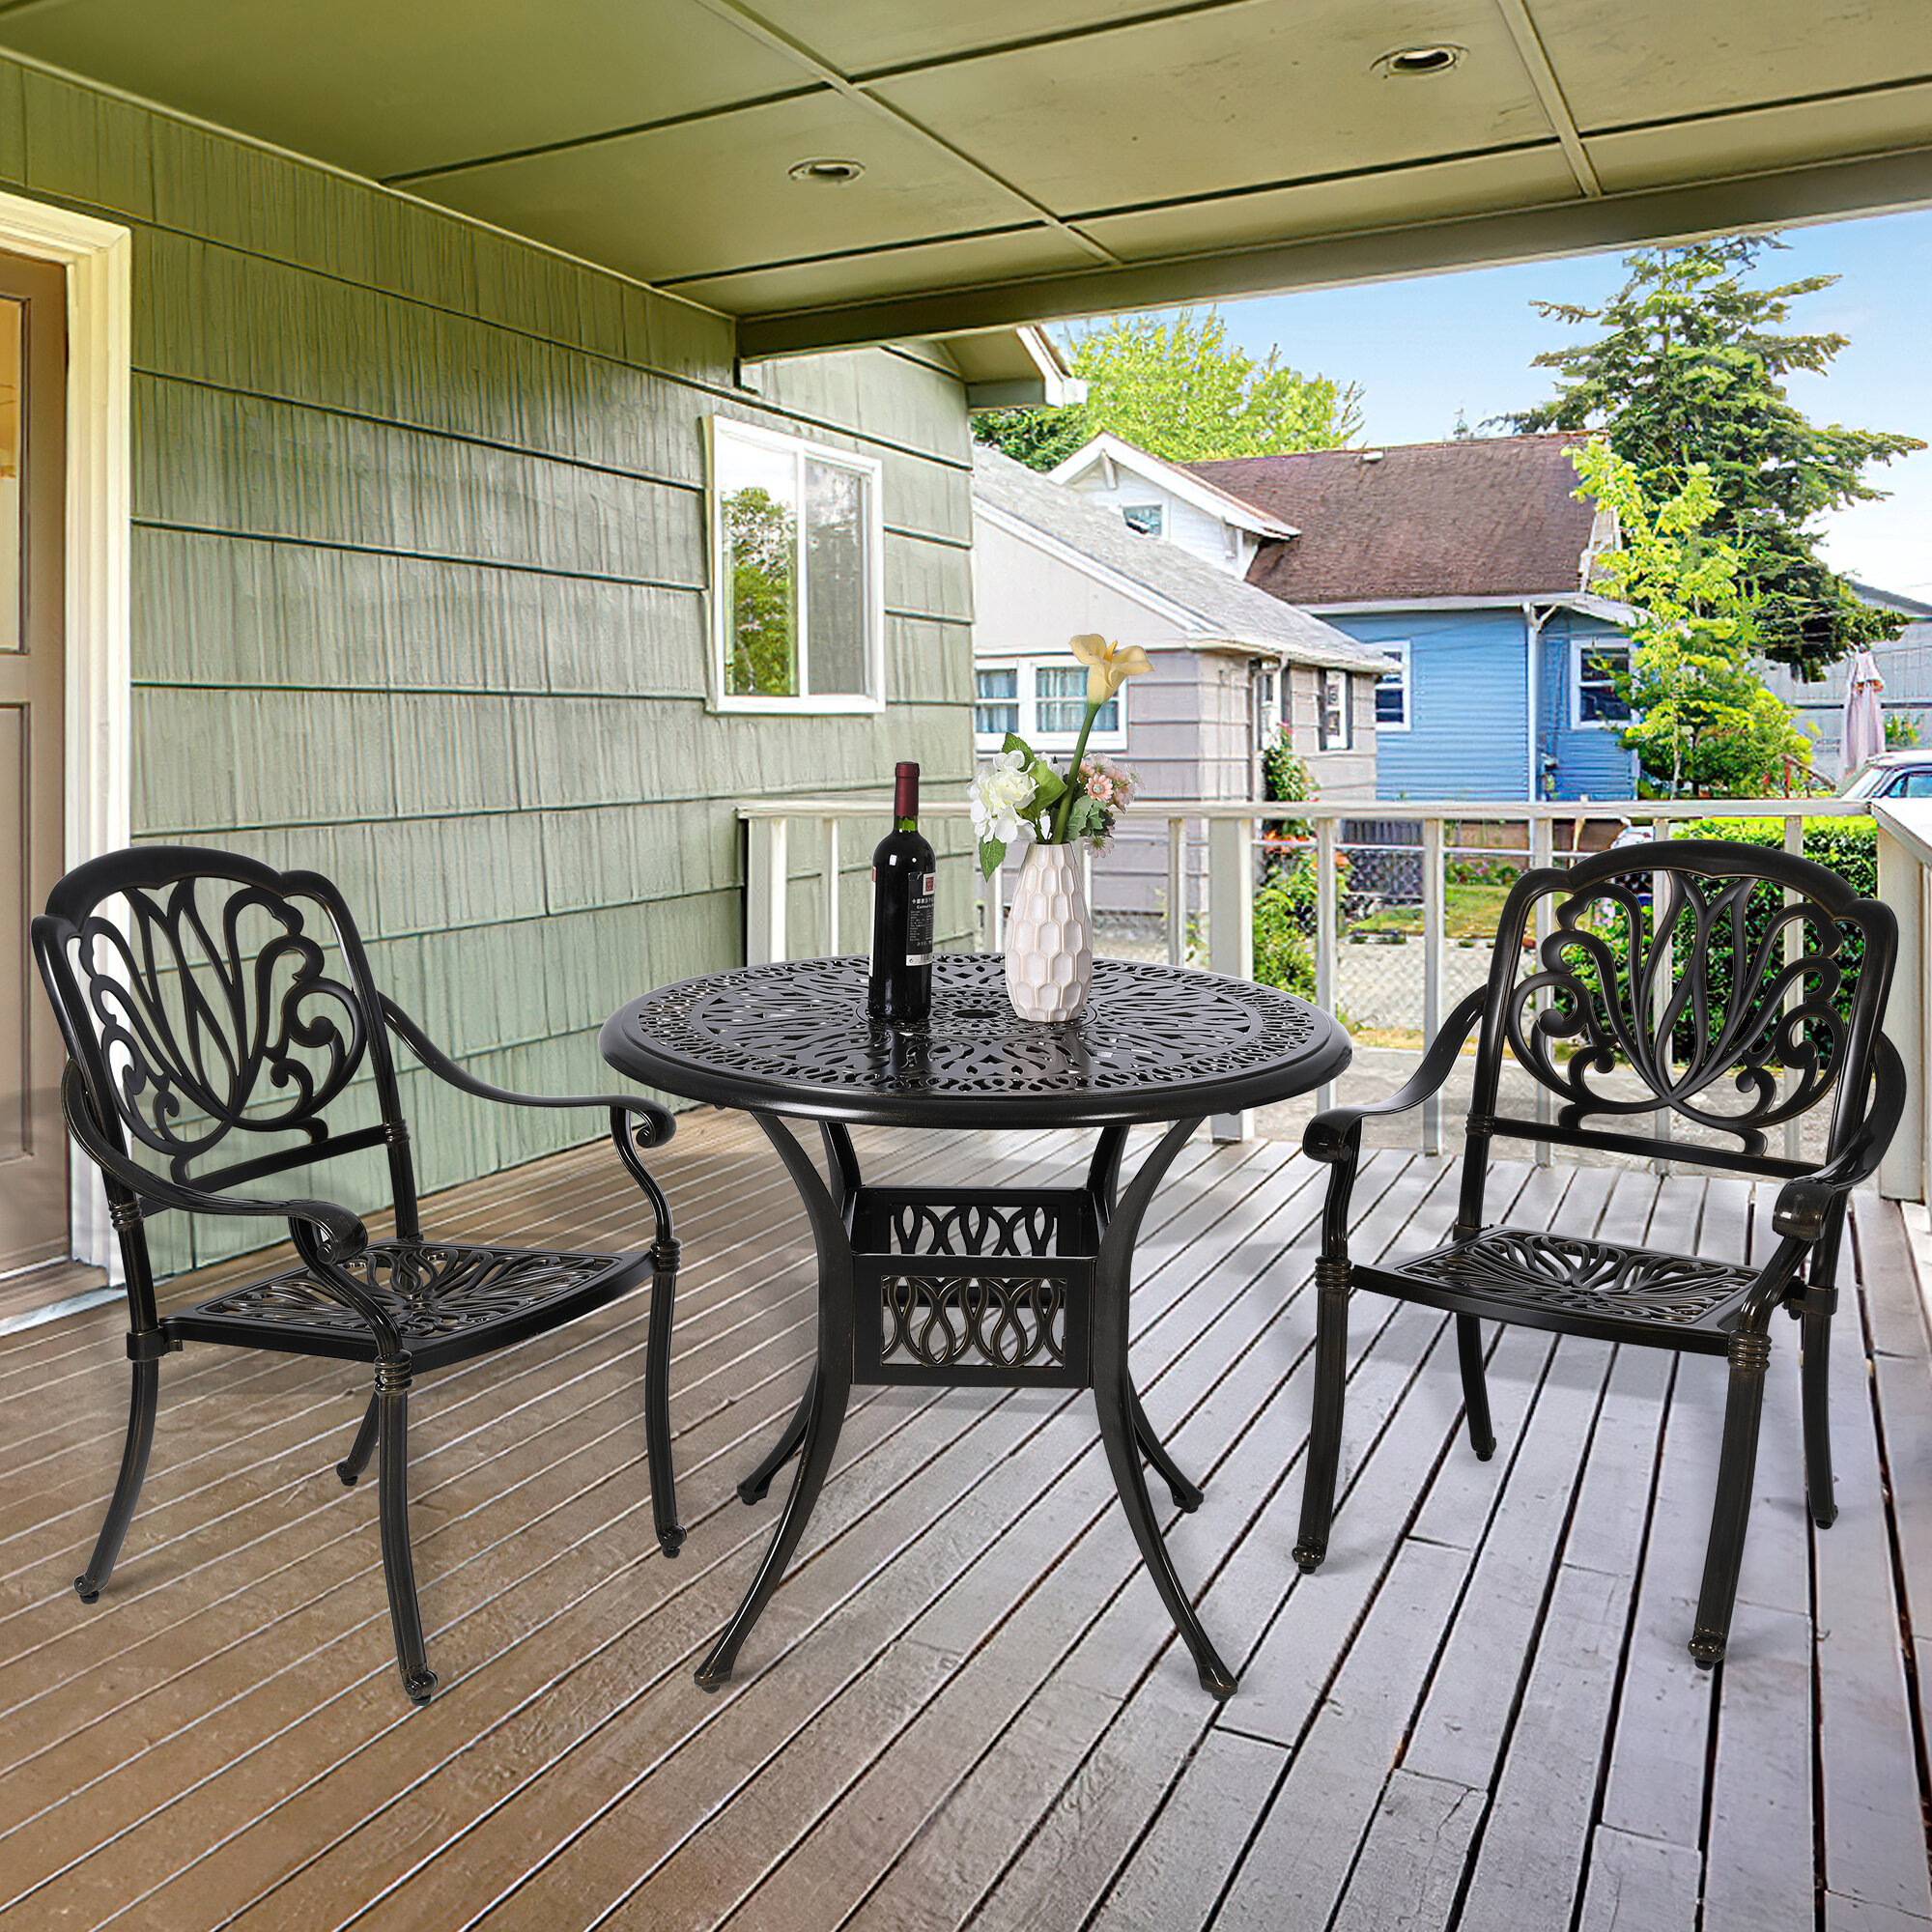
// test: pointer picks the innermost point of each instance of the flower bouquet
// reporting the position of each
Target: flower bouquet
(1021, 799)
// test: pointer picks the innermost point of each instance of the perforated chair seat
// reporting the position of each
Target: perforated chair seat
(449, 1301)
(1578, 1287)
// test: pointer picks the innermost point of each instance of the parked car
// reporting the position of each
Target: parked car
(1891, 775)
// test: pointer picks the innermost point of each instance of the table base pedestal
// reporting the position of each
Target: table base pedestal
(972, 1288)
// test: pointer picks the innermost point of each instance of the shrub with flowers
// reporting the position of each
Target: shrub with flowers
(1020, 798)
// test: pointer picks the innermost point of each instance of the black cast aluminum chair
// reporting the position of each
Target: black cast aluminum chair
(203, 1028)
(1705, 1011)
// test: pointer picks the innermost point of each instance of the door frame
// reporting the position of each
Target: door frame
(97, 257)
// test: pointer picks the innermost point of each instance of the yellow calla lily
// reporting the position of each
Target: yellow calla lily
(1108, 666)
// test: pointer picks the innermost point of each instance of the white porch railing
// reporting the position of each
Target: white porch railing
(1215, 900)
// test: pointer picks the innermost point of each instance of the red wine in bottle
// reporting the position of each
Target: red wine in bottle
(899, 990)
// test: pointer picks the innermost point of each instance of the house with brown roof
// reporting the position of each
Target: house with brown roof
(1469, 564)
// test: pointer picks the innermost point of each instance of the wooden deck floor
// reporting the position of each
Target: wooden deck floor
(966, 1707)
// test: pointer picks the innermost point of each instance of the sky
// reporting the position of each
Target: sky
(1425, 348)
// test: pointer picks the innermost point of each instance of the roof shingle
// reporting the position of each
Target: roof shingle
(1486, 517)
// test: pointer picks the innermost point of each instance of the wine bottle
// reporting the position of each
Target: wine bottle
(899, 990)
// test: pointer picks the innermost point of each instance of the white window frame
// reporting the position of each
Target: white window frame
(991, 741)
(1398, 649)
(1346, 742)
(1579, 649)
(1268, 679)
(807, 703)
(1046, 742)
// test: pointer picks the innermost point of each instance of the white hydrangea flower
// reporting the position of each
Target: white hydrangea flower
(998, 796)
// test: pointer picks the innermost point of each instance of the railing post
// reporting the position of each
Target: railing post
(767, 868)
(1905, 1174)
(1543, 854)
(1327, 922)
(1432, 969)
(830, 885)
(1176, 891)
(1231, 928)
(993, 906)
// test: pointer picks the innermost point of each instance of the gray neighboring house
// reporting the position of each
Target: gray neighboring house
(1231, 666)
(1905, 663)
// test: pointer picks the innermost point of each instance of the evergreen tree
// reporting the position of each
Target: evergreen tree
(1688, 370)
(1180, 389)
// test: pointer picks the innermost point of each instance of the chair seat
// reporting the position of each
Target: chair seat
(1582, 1287)
(449, 1300)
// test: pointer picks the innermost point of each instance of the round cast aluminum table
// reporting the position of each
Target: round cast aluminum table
(966, 1285)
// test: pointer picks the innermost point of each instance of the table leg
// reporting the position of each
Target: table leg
(1119, 1406)
(1187, 1496)
(825, 1403)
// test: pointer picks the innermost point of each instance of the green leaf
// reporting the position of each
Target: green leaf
(1015, 742)
(1048, 784)
(1086, 819)
(992, 851)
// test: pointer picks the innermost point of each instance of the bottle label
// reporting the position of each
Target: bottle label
(918, 922)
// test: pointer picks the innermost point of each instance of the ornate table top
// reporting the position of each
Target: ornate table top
(1155, 1042)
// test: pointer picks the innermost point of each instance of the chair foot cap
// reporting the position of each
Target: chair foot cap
(420, 1686)
(1707, 1647)
(349, 1476)
(1217, 1680)
(706, 1681)
(750, 1492)
(1307, 1559)
(88, 1593)
(671, 1541)
(1187, 1500)
(1825, 1517)
(1484, 1450)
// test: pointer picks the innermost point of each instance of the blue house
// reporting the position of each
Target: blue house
(1469, 564)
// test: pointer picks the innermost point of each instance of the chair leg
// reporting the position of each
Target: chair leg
(1324, 1432)
(1743, 1405)
(657, 1398)
(1187, 1496)
(757, 1485)
(143, 1400)
(363, 1447)
(1475, 1386)
(1814, 1376)
(393, 1405)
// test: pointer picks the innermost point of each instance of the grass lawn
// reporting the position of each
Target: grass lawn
(1469, 912)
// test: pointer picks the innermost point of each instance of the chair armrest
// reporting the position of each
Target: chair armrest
(1803, 1204)
(344, 1236)
(658, 1124)
(1331, 1135)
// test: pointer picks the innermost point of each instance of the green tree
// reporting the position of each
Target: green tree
(763, 535)
(1703, 721)
(1688, 370)
(1180, 389)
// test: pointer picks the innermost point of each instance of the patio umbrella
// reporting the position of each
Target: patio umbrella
(1864, 723)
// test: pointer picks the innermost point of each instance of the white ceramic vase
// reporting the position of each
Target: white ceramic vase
(1049, 936)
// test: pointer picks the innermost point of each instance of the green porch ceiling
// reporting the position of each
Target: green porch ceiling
(1026, 161)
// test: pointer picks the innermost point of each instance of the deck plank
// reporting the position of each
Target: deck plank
(966, 1707)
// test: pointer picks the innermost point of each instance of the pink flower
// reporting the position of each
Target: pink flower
(1100, 786)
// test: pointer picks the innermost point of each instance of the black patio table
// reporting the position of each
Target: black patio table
(974, 1286)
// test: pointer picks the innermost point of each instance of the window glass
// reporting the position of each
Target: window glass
(1145, 518)
(797, 602)
(1913, 784)
(757, 495)
(998, 709)
(1598, 668)
(1392, 690)
(1267, 725)
(1059, 702)
(835, 577)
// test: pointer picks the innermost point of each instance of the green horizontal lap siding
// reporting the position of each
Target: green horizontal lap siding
(420, 587)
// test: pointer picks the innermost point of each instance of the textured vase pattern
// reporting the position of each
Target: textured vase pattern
(1049, 937)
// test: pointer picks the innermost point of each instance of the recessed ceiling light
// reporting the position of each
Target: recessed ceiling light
(834, 173)
(1413, 61)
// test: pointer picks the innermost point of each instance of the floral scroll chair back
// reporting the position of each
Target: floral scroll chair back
(1734, 989)
(221, 1026)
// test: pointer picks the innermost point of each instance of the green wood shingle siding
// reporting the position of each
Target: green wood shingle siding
(419, 584)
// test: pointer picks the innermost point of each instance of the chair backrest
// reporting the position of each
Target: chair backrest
(1662, 985)
(194, 992)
